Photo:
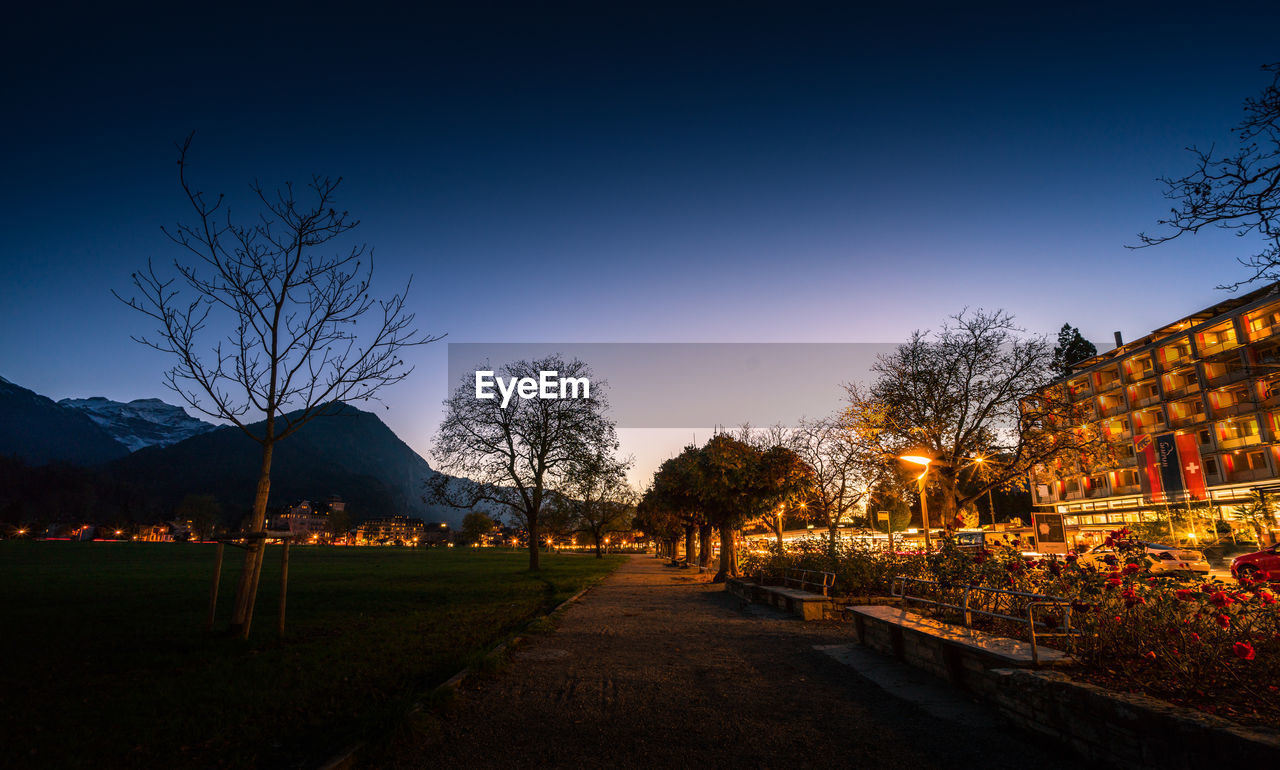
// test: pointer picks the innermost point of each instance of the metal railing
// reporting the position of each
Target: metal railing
(994, 603)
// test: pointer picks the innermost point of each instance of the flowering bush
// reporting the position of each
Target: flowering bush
(1207, 643)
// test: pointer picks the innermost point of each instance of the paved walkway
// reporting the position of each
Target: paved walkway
(657, 668)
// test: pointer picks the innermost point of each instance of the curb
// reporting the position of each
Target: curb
(346, 758)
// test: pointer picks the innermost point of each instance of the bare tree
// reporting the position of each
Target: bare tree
(285, 315)
(512, 456)
(846, 467)
(1237, 191)
(978, 388)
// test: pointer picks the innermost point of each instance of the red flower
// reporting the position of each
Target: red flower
(1220, 599)
(1129, 569)
(1184, 594)
(1151, 655)
(1071, 558)
(1195, 637)
(1243, 650)
(1113, 582)
(1224, 621)
(1266, 597)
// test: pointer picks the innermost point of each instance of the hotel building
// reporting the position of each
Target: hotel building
(1192, 412)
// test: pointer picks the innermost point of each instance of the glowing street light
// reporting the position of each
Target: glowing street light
(919, 458)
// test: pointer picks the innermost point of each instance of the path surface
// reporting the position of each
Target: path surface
(657, 668)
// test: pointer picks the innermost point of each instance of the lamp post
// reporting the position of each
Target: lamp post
(991, 506)
(919, 458)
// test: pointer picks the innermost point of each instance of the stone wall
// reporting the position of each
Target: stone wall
(1114, 728)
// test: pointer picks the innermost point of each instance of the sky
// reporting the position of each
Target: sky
(612, 172)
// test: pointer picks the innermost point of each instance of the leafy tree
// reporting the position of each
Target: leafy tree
(675, 493)
(204, 513)
(339, 522)
(1258, 513)
(1070, 350)
(474, 526)
(599, 498)
(1238, 190)
(285, 313)
(514, 456)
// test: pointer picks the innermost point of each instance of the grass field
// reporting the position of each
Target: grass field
(106, 662)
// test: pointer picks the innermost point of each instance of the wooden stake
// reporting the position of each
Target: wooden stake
(284, 584)
(213, 592)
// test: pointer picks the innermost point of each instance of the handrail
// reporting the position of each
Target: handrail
(1039, 601)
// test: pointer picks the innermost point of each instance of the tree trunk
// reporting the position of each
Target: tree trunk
(728, 556)
(688, 545)
(704, 545)
(599, 555)
(535, 547)
(247, 586)
(777, 529)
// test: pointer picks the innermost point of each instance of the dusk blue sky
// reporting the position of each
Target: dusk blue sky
(731, 172)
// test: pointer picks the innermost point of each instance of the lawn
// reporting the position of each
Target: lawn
(106, 661)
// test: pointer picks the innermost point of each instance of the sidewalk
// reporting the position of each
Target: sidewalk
(658, 668)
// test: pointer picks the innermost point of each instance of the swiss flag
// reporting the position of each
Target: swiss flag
(1192, 469)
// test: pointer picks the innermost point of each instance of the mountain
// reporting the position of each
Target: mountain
(349, 452)
(39, 431)
(140, 423)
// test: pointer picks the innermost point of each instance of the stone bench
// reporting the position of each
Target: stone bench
(804, 604)
(961, 655)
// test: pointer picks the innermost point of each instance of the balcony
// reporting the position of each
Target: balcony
(1248, 474)
(1101, 490)
(1111, 411)
(1215, 348)
(1138, 403)
(1109, 385)
(1227, 377)
(1239, 442)
(1231, 410)
(1259, 333)
(1186, 421)
(1127, 489)
(1181, 386)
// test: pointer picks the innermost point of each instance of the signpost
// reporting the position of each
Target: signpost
(884, 516)
(1051, 536)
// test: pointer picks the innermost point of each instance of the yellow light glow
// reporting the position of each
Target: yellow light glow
(917, 459)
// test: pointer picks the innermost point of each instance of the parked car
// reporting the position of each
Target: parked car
(1164, 558)
(1255, 564)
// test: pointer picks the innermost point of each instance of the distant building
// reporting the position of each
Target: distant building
(393, 530)
(302, 520)
(435, 533)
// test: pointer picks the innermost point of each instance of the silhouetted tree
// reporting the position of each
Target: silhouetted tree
(1070, 350)
(1238, 190)
(285, 315)
(474, 526)
(514, 456)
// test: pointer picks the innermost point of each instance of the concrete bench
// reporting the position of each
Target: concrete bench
(950, 651)
(804, 604)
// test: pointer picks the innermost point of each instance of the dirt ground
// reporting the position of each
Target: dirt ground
(656, 667)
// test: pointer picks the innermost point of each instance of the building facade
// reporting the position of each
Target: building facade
(1191, 413)
(394, 530)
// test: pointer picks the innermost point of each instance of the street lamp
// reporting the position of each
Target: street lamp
(920, 458)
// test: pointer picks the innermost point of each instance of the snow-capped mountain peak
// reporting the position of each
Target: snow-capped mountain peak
(140, 423)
